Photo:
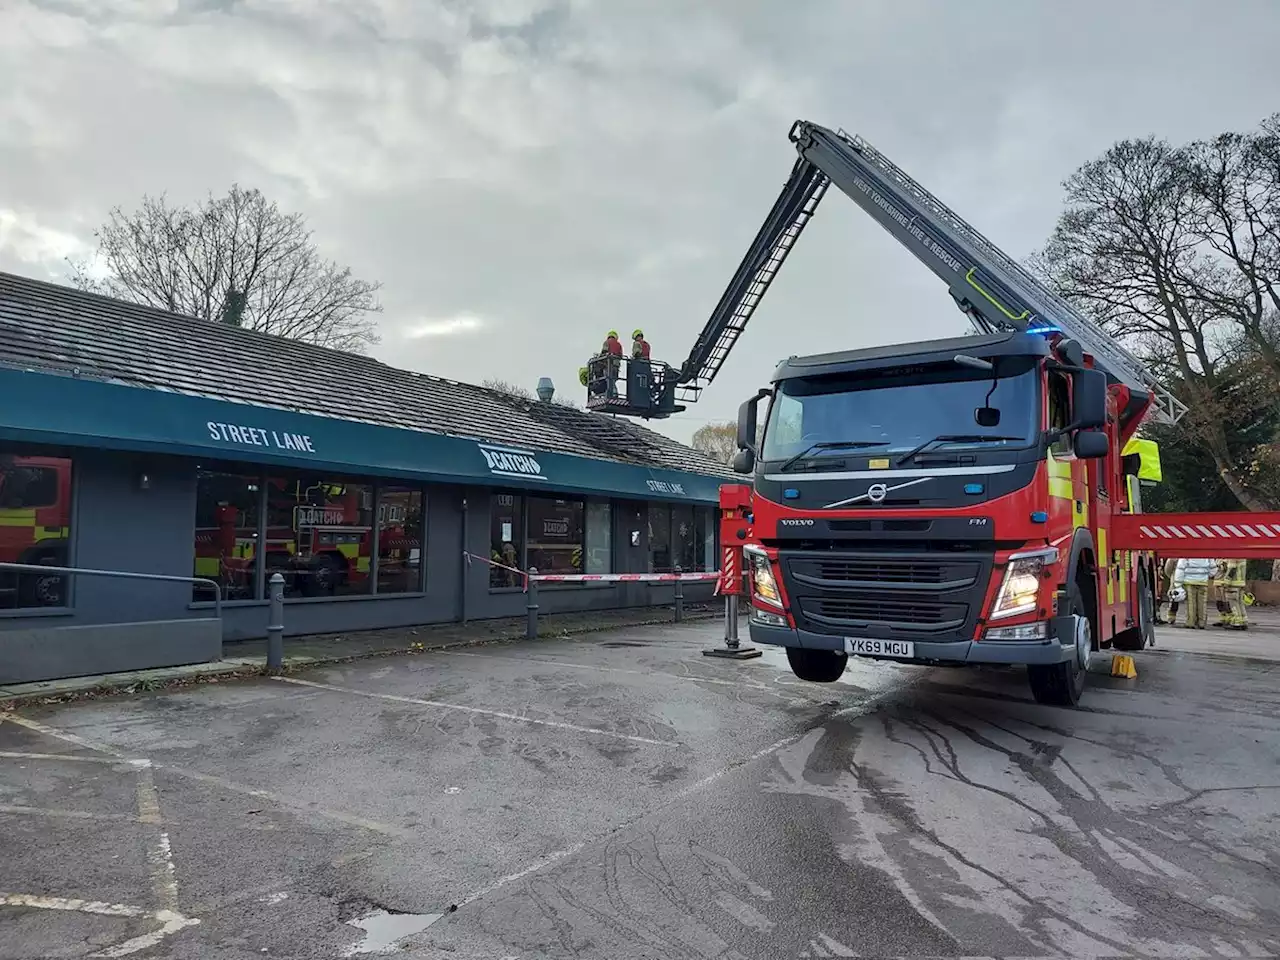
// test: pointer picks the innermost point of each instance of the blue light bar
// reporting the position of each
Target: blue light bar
(1043, 330)
(973, 488)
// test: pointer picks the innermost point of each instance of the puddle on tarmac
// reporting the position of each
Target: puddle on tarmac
(382, 930)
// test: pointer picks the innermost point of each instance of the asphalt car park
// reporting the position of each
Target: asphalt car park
(620, 795)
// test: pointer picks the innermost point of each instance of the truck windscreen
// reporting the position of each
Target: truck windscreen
(896, 412)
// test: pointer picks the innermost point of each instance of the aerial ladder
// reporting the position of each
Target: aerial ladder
(993, 290)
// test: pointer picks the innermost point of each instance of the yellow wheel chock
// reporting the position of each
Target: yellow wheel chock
(1122, 665)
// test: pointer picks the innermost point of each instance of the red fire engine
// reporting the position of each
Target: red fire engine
(964, 501)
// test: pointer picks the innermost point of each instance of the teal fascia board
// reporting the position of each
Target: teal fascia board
(68, 411)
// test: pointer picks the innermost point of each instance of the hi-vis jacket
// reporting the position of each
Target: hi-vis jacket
(1232, 573)
(1194, 571)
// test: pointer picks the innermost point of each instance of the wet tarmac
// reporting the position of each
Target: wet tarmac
(621, 796)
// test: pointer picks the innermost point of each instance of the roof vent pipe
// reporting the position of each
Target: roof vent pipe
(546, 389)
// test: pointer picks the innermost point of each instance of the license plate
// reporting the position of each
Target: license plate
(902, 649)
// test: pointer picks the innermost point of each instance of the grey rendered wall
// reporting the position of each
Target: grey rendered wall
(114, 624)
(117, 525)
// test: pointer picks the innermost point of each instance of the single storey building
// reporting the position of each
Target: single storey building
(136, 440)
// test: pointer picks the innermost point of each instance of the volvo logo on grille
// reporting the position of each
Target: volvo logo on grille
(876, 493)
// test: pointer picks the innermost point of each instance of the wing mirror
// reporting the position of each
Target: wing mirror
(1088, 399)
(1090, 444)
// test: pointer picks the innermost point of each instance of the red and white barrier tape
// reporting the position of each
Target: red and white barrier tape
(622, 577)
(493, 563)
(598, 577)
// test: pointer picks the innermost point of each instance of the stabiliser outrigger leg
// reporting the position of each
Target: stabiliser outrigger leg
(734, 522)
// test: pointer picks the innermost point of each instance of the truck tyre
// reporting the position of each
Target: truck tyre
(816, 666)
(1144, 633)
(43, 589)
(1061, 684)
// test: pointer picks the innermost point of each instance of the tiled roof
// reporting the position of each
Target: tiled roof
(51, 328)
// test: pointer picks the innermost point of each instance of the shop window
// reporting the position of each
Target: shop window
(227, 509)
(704, 521)
(660, 538)
(35, 528)
(506, 539)
(401, 537)
(599, 538)
(555, 530)
(684, 541)
(320, 535)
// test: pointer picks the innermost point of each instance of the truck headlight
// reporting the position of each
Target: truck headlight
(1021, 585)
(762, 580)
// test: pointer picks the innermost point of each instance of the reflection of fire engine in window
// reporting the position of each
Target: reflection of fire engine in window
(319, 536)
(35, 521)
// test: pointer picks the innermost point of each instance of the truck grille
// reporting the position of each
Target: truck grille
(932, 596)
(882, 570)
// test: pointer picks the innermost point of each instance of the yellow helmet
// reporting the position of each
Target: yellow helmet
(637, 334)
(614, 334)
(582, 375)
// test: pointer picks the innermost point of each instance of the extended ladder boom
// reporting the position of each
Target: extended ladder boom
(791, 212)
(995, 291)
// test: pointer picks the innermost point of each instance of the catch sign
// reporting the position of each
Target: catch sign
(511, 462)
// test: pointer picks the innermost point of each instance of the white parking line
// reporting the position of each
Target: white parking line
(72, 904)
(557, 724)
(23, 810)
(115, 756)
(23, 755)
(746, 684)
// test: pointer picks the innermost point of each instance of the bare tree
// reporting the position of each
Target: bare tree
(1132, 249)
(719, 441)
(237, 259)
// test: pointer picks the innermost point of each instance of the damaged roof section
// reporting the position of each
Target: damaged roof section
(49, 328)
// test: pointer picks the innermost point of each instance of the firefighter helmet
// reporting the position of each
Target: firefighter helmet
(614, 334)
(637, 334)
(582, 375)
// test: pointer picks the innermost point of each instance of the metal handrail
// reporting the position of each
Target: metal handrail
(122, 575)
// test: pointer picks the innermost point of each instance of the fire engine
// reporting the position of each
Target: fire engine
(974, 500)
(35, 521)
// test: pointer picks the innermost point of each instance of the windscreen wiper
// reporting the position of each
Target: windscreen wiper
(830, 445)
(950, 438)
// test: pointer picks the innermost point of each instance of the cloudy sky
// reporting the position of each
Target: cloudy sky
(522, 175)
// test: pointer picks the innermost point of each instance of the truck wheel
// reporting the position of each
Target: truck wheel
(43, 589)
(816, 666)
(1061, 684)
(1144, 633)
(328, 573)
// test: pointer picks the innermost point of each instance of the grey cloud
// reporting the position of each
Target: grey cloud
(523, 175)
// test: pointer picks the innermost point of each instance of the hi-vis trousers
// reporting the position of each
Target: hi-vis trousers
(1197, 605)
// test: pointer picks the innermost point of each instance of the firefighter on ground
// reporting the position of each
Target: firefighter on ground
(1167, 611)
(1194, 576)
(1231, 578)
